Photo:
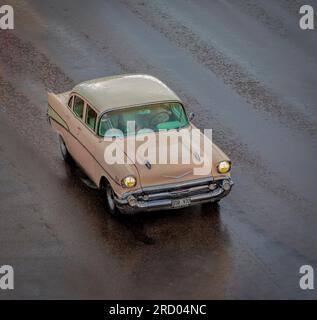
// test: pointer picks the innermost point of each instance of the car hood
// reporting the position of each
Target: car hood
(202, 159)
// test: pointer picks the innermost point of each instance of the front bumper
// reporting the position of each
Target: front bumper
(164, 197)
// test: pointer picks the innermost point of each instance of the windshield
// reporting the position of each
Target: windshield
(162, 116)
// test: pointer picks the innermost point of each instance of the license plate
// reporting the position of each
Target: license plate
(179, 203)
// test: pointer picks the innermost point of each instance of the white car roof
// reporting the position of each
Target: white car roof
(124, 90)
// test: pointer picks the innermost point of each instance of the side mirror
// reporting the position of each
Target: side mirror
(191, 116)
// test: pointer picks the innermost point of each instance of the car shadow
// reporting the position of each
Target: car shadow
(137, 222)
(148, 228)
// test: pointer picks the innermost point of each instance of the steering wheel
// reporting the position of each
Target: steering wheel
(160, 117)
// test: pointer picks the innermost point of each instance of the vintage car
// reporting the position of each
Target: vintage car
(83, 118)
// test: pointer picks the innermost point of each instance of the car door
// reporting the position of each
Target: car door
(75, 144)
(89, 140)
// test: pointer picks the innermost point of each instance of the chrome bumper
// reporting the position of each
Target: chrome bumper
(163, 197)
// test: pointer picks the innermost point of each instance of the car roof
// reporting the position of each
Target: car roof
(124, 90)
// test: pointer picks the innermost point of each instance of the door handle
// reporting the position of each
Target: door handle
(79, 128)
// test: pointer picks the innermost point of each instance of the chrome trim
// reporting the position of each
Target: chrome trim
(166, 203)
(178, 177)
(177, 193)
(166, 187)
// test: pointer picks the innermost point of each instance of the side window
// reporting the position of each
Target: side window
(91, 117)
(78, 107)
(70, 102)
(104, 125)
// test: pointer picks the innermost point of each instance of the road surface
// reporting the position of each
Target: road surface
(245, 68)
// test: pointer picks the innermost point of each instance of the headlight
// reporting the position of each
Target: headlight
(128, 182)
(224, 166)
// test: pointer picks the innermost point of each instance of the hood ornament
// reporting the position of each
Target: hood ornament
(177, 177)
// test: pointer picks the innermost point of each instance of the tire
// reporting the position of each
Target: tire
(108, 194)
(64, 151)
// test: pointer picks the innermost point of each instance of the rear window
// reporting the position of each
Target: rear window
(91, 117)
(78, 107)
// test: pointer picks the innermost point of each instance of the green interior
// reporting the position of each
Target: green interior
(168, 125)
(79, 108)
(160, 116)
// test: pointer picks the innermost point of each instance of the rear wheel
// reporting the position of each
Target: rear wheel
(65, 154)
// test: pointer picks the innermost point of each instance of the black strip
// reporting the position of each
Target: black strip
(162, 309)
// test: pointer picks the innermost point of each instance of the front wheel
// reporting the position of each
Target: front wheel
(109, 198)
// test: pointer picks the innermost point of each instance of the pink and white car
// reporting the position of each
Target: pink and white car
(82, 118)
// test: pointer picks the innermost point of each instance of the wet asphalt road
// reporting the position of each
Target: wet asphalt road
(247, 71)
